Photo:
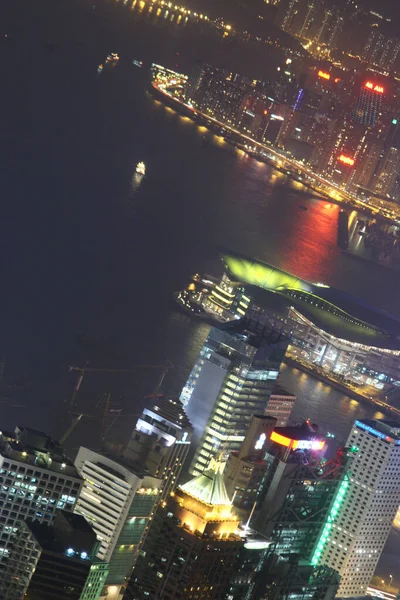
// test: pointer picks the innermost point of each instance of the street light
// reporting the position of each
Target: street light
(391, 579)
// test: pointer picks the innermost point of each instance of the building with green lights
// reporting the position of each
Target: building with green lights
(362, 515)
(329, 330)
(300, 489)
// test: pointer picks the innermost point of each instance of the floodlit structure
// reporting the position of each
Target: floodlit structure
(329, 330)
(356, 532)
(192, 546)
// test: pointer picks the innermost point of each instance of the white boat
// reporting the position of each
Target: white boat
(141, 168)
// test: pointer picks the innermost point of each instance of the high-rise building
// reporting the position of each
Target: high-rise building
(388, 172)
(231, 381)
(54, 561)
(280, 405)
(381, 50)
(191, 549)
(300, 489)
(117, 500)
(246, 469)
(216, 92)
(354, 537)
(368, 105)
(160, 441)
(37, 479)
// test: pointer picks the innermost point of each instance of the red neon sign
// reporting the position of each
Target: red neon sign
(347, 160)
(372, 86)
(324, 75)
(297, 444)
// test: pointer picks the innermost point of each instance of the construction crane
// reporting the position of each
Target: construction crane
(82, 370)
(101, 411)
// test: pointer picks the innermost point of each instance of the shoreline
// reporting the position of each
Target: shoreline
(291, 362)
(215, 126)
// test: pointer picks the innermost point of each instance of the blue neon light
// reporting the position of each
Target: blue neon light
(373, 431)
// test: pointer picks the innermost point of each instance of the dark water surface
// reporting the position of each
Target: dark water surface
(90, 256)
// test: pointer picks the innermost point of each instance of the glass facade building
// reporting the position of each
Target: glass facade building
(231, 381)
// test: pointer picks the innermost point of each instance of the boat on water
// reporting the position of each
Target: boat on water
(141, 168)
(100, 68)
(112, 58)
(138, 63)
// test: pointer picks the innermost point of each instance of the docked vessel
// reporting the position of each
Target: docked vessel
(141, 168)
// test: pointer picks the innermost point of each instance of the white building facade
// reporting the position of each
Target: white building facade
(361, 518)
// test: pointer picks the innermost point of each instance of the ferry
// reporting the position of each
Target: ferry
(138, 63)
(141, 168)
(112, 58)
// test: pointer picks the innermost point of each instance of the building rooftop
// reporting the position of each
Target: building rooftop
(385, 428)
(35, 448)
(334, 311)
(171, 409)
(281, 391)
(209, 487)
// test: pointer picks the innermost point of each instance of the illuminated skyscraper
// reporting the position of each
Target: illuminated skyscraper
(300, 489)
(369, 104)
(118, 501)
(388, 173)
(37, 479)
(191, 549)
(160, 441)
(231, 381)
(381, 50)
(355, 535)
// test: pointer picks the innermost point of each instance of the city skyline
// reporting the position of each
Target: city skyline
(139, 139)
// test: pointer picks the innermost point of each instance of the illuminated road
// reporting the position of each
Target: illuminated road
(336, 194)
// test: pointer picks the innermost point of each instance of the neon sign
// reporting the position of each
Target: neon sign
(297, 444)
(324, 75)
(347, 160)
(375, 88)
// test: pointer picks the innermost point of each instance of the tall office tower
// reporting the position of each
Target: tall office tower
(37, 479)
(368, 105)
(367, 165)
(54, 561)
(117, 500)
(246, 469)
(231, 380)
(353, 541)
(331, 26)
(280, 405)
(381, 50)
(311, 11)
(160, 441)
(388, 172)
(191, 549)
(300, 490)
(215, 92)
(287, 15)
